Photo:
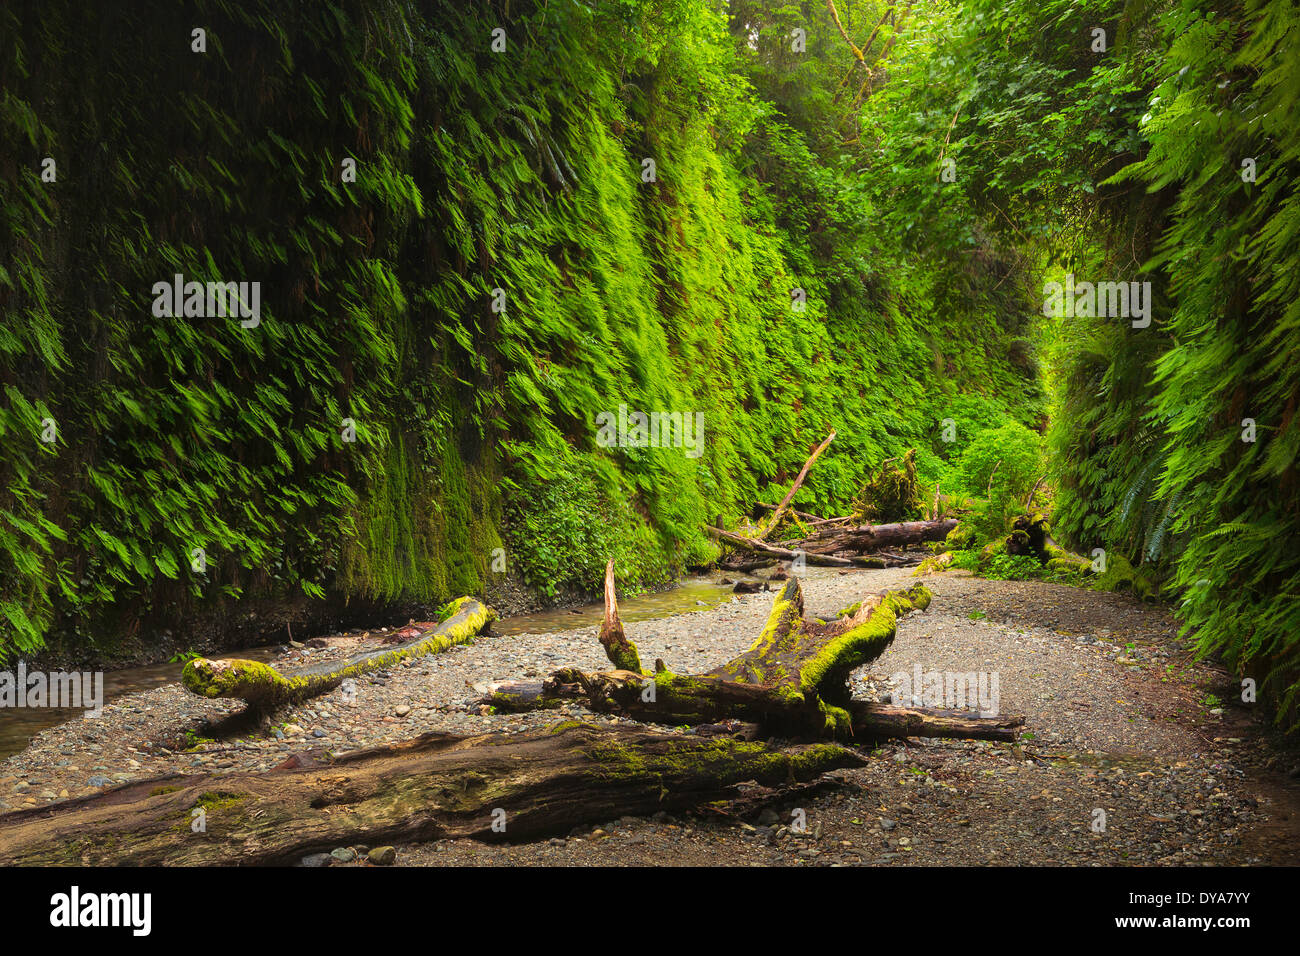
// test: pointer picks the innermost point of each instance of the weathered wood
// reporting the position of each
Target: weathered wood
(714, 701)
(761, 547)
(884, 721)
(620, 651)
(264, 686)
(791, 682)
(863, 538)
(433, 787)
(789, 496)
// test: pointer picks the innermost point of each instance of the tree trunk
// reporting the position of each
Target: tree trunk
(264, 686)
(823, 560)
(620, 651)
(874, 537)
(433, 787)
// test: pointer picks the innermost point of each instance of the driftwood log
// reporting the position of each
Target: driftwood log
(778, 553)
(875, 537)
(436, 786)
(264, 686)
(791, 683)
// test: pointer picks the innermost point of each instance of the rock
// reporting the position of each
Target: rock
(317, 859)
(886, 824)
(402, 710)
(318, 732)
(343, 854)
(98, 780)
(293, 730)
(768, 818)
(382, 856)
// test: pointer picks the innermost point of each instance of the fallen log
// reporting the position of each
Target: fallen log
(748, 706)
(264, 686)
(433, 787)
(760, 547)
(863, 538)
(775, 520)
(792, 681)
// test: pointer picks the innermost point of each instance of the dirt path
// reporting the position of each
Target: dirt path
(1119, 718)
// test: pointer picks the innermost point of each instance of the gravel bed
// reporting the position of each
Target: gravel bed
(1119, 732)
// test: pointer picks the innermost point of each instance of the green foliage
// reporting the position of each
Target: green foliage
(1000, 466)
(892, 495)
(1121, 165)
(475, 172)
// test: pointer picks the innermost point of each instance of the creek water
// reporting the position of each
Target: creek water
(19, 724)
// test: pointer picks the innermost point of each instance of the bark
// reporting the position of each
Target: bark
(874, 537)
(792, 682)
(433, 787)
(789, 496)
(620, 651)
(264, 686)
(775, 552)
(708, 702)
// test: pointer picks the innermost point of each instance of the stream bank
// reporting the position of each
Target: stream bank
(1116, 708)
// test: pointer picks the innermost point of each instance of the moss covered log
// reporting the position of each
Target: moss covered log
(433, 787)
(792, 681)
(264, 686)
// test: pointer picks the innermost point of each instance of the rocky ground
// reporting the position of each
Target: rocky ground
(1133, 753)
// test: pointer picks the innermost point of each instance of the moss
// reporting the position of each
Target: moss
(624, 656)
(1120, 575)
(934, 563)
(960, 538)
(783, 620)
(860, 644)
(562, 726)
(851, 649)
(232, 677)
(262, 684)
(219, 799)
(838, 722)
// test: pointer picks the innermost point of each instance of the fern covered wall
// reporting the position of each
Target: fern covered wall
(476, 170)
(1166, 154)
